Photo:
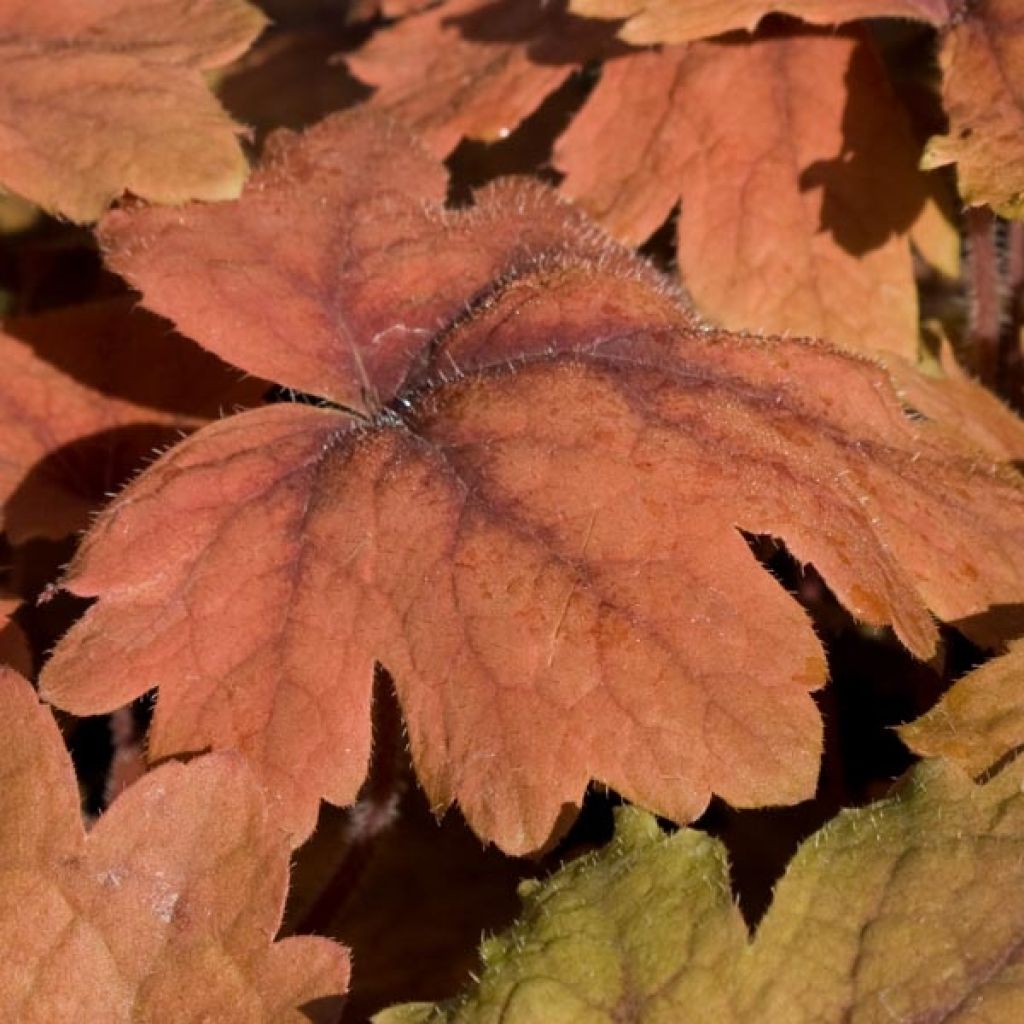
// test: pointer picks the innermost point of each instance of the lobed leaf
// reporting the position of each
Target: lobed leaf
(108, 96)
(982, 61)
(979, 720)
(490, 63)
(469, 534)
(88, 392)
(165, 911)
(795, 207)
(887, 913)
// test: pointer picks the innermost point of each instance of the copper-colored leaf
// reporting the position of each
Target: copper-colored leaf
(982, 61)
(538, 535)
(907, 910)
(680, 21)
(86, 394)
(795, 207)
(165, 911)
(489, 63)
(979, 720)
(108, 96)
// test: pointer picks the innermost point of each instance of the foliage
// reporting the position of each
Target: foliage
(414, 491)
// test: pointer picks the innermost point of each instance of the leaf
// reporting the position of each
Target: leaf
(960, 405)
(489, 63)
(887, 913)
(795, 208)
(87, 393)
(165, 911)
(979, 720)
(101, 98)
(681, 21)
(982, 61)
(469, 533)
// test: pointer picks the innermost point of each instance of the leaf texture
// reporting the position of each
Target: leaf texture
(468, 534)
(982, 61)
(165, 911)
(108, 96)
(681, 21)
(795, 208)
(87, 393)
(887, 913)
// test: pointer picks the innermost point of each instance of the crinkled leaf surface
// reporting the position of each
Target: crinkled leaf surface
(489, 63)
(165, 911)
(979, 720)
(908, 910)
(795, 207)
(538, 535)
(86, 394)
(982, 61)
(680, 21)
(108, 96)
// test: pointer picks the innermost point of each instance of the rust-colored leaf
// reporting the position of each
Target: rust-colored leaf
(86, 394)
(795, 207)
(680, 21)
(165, 911)
(979, 720)
(469, 532)
(982, 61)
(489, 63)
(108, 96)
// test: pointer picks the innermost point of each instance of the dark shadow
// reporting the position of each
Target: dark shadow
(870, 190)
(993, 628)
(550, 33)
(325, 1010)
(61, 491)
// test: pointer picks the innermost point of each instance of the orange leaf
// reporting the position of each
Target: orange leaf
(489, 63)
(982, 61)
(108, 96)
(165, 911)
(538, 535)
(87, 393)
(795, 207)
(680, 21)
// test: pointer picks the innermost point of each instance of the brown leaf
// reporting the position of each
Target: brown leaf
(165, 911)
(795, 208)
(681, 21)
(982, 62)
(979, 720)
(538, 536)
(101, 98)
(87, 393)
(489, 63)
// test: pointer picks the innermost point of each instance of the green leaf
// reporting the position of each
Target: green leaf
(910, 909)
